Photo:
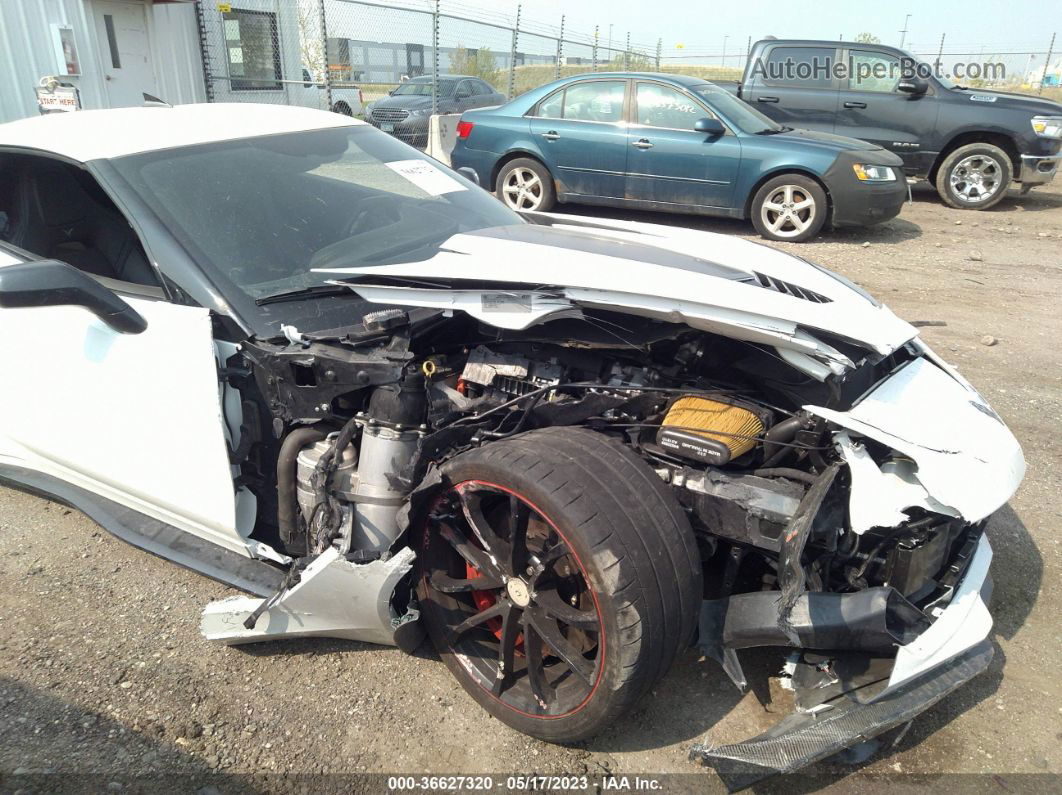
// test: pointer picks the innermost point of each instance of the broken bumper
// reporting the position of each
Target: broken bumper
(950, 652)
(803, 738)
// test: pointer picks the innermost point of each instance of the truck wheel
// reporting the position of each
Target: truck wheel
(790, 207)
(342, 108)
(974, 177)
(558, 579)
(526, 184)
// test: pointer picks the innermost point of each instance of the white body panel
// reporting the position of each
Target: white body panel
(738, 309)
(135, 418)
(95, 134)
(333, 599)
(967, 459)
(964, 623)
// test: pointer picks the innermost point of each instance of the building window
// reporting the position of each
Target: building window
(252, 47)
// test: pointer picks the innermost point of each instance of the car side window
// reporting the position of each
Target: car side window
(663, 106)
(599, 100)
(464, 89)
(874, 71)
(552, 106)
(482, 89)
(800, 67)
(59, 211)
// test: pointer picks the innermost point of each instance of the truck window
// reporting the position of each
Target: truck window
(804, 67)
(873, 71)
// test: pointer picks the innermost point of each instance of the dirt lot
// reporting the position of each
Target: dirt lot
(103, 673)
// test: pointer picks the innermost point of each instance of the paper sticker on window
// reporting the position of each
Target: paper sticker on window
(425, 176)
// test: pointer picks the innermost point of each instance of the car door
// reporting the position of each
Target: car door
(135, 418)
(796, 86)
(872, 109)
(667, 161)
(581, 130)
(464, 96)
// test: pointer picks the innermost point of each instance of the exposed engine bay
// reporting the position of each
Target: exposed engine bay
(359, 431)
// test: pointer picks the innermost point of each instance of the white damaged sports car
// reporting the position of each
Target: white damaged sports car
(279, 347)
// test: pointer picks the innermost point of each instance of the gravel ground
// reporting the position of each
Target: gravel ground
(103, 674)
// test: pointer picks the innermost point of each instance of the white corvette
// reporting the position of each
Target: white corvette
(279, 347)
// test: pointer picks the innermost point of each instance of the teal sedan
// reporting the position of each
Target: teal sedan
(677, 144)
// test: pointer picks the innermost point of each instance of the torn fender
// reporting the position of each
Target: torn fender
(967, 459)
(334, 599)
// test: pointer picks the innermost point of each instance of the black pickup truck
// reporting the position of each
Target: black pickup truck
(970, 143)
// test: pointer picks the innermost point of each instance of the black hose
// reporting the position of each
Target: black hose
(784, 431)
(786, 472)
(287, 474)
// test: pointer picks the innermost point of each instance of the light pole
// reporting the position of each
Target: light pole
(903, 33)
(723, 62)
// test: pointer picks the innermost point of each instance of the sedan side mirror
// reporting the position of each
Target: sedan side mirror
(712, 127)
(913, 85)
(53, 283)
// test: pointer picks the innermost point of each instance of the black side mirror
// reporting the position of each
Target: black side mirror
(913, 85)
(712, 127)
(53, 283)
(469, 173)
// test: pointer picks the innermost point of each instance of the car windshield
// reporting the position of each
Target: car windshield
(745, 118)
(423, 88)
(261, 214)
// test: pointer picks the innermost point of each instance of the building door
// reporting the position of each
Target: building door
(125, 52)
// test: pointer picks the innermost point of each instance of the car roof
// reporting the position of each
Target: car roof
(427, 78)
(101, 134)
(685, 80)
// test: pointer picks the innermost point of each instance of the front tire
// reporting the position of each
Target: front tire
(974, 177)
(558, 579)
(526, 185)
(790, 208)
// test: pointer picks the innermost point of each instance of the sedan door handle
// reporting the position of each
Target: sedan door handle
(766, 99)
(855, 104)
(642, 143)
(552, 135)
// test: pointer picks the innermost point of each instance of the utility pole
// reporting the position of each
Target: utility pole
(627, 53)
(512, 54)
(1047, 63)
(327, 76)
(903, 33)
(659, 44)
(722, 61)
(940, 56)
(560, 47)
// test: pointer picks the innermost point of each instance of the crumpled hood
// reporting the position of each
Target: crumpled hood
(714, 282)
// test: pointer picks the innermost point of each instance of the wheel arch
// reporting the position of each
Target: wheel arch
(1000, 139)
(518, 154)
(782, 171)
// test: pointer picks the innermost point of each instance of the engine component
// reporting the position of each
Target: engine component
(744, 508)
(509, 374)
(344, 482)
(710, 430)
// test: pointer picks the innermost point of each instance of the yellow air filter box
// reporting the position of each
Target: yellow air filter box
(709, 430)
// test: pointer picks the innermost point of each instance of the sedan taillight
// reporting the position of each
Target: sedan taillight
(464, 129)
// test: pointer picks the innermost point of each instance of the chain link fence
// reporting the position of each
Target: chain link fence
(392, 61)
(357, 56)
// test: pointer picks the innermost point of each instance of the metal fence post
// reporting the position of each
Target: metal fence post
(1047, 63)
(659, 44)
(560, 46)
(940, 54)
(595, 47)
(627, 54)
(324, 56)
(512, 55)
(204, 52)
(435, 58)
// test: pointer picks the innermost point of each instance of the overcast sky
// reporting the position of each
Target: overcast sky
(700, 25)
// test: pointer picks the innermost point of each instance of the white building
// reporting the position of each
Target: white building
(112, 51)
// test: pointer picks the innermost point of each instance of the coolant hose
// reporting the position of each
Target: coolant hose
(287, 474)
(783, 431)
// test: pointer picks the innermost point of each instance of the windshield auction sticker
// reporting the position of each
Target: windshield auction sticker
(425, 176)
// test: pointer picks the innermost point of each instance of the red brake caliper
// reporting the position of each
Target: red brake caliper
(485, 599)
